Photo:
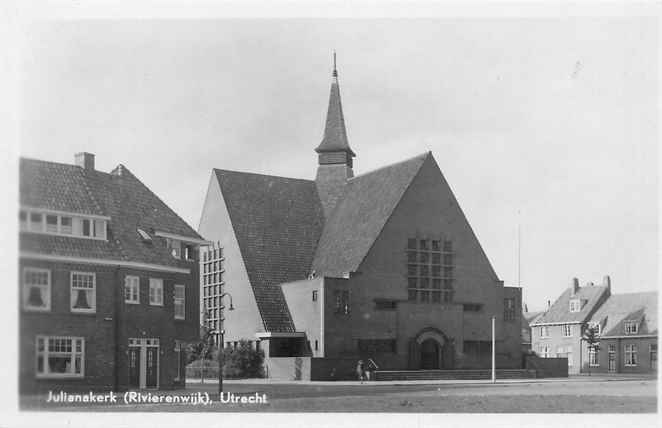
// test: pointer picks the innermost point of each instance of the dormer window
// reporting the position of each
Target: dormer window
(575, 305)
(56, 223)
(631, 327)
(144, 235)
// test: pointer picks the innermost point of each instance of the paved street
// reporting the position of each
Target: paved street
(574, 395)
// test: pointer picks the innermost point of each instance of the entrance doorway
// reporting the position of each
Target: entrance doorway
(144, 363)
(430, 355)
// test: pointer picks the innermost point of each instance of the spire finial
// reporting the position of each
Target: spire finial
(335, 71)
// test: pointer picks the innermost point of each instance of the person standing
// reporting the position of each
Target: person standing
(360, 370)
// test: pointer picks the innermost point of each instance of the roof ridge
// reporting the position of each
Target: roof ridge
(262, 175)
(428, 153)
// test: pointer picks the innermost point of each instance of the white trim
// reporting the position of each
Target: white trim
(630, 336)
(132, 277)
(65, 213)
(24, 305)
(270, 334)
(156, 284)
(182, 238)
(555, 323)
(183, 301)
(108, 262)
(45, 353)
(68, 235)
(93, 304)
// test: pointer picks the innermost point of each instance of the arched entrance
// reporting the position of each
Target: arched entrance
(430, 354)
(431, 349)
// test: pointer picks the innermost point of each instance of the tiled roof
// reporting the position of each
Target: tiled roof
(559, 312)
(618, 308)
(359, 218)
(277, 222)
(119, 195)
(335, 133)
(56, 186)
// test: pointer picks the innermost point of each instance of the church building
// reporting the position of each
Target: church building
(381, 265)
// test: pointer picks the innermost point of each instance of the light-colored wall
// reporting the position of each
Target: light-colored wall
(215, 225)
(306, 314)
(643, 355)
(556, 340)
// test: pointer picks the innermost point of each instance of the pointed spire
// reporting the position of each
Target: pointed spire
(335, 134)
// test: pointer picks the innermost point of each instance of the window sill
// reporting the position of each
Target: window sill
(35, 309)
(131, 302)
(60, 376)
(79, 312)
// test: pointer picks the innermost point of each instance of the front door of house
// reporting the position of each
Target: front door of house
(612, 359)
(143, 363)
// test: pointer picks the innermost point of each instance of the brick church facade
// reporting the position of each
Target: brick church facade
(382, 265)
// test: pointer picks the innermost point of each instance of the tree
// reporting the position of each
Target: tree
(593, 343)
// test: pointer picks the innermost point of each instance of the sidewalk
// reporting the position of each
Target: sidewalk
(574, 378)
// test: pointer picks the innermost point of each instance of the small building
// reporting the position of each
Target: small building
(627, 329)
(381, 265)
(108, 281)
(527, 319)
(558, 331)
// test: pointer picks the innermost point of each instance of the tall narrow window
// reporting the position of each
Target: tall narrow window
(631, 355)
(156, 292)
(314, 295)
(100, 229)
(653, 355)
(87, 228)
(567, 330)
(509, 312)
(65, 225)
(180, 302)
(593, 359)
(132, 289)
(60, 356)
(83, 292)
(425, 272)
(36, 289)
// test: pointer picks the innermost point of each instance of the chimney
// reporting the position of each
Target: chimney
(549, 304)
(85, 160)
(575, 286)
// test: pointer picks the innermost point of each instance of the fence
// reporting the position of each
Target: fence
(202, 370)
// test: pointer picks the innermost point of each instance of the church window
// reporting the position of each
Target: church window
(426, 273)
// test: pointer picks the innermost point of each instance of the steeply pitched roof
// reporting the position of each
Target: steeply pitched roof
(119, 195)
(277, 222)
(640, 307)
(359, 218)
(335, 133)
(559, 312)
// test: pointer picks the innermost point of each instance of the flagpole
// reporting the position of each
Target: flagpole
(493, 353)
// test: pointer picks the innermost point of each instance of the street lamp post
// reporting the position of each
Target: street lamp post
(221, 334)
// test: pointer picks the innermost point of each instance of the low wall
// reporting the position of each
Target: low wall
(547, 367)
(333, 369)
(287, 368)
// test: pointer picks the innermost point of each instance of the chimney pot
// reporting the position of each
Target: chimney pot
(85, 160)
(575, 285)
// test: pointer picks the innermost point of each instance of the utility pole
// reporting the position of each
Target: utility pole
(493, 352)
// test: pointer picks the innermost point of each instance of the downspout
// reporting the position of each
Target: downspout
(116, 326)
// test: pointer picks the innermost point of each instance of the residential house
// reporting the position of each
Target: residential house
(108, 280)
(558, 331)
(627, 328)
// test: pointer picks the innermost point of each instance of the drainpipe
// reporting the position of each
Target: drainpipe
(116, 327)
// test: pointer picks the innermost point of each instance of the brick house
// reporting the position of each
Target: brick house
(558, 331)
(627, 325)
(108, 280)
(382, 265)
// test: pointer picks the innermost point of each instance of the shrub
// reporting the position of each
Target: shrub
(243, 362)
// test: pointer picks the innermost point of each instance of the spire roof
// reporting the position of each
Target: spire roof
(335, 134)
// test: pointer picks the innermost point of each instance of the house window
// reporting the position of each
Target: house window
(575, 305)
(567, 330)
(131, 289)
(342, 301)
(630, 355)
(51, 223)
(83, 292)
(631, 327)
(314, 295)
(175, 247)
(424, 272)
(23, 220)
(60, 356)
(180, 354)
(100, 229)
(652, 348)
(545, 351)
(593, 359)
(385, 305)
(36, 289)
(87, 227)
(544, 331)
(509, 312)
(180, 302)
(36, 222)
(65, 225)
(156, 292)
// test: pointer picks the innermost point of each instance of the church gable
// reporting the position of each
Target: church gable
(429, 211)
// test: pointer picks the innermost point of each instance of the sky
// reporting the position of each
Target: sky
(546, 125)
